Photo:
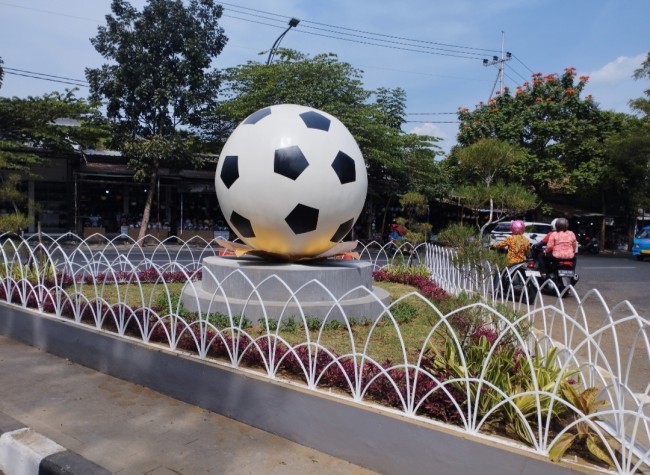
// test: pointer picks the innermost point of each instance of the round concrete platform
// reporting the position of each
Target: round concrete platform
(250, 285)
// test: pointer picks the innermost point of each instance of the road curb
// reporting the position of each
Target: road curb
(26, 452)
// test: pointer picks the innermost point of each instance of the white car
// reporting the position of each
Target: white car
(535, 232)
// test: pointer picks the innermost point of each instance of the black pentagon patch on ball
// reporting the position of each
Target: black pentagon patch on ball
(314, 120)
(342, 231)
(302, 219)
(241, 224)
(230, 170)
(290, 162)
(255, 117)
(345, 168)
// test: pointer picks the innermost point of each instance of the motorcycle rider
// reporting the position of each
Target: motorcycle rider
(518, 244)
(562, 243)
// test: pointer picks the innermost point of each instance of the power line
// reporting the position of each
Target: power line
(390, 45)
(48, 11)
(531, 71)
(432, 113)
(518, 74)
(48, 75)
(381, 40)
(432, 122)
(357, 32)
(509, 77)
(46, 79)
(325, 30)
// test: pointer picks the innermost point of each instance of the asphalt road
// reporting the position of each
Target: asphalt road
(618, 278)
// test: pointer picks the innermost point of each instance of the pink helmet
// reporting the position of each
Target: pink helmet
(517, 227)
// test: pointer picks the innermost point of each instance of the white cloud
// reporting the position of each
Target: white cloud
(429, 129)
(617, 71)
(612, 86)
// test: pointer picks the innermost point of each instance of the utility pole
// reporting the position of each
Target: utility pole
(500, 63)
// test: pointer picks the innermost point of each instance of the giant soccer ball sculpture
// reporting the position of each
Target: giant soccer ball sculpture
(291, 181)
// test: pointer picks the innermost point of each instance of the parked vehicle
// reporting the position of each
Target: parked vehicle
(527, 276)
(641, 246)
(535, 232)
(588, 244)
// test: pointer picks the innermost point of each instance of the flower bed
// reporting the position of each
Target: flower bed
(479, 368)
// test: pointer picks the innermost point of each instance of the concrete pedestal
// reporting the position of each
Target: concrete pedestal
(250, 285)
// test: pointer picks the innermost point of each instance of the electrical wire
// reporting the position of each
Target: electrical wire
(531, 71)
(359, 33)
(432, 122)
(43, 78)
(390, 45)
(431, 113)
(313, 28)
(49, 11)
(84, 82)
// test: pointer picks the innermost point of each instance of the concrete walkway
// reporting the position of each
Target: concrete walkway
(129, 429)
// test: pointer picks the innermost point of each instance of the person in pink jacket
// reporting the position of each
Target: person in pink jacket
(562, 243)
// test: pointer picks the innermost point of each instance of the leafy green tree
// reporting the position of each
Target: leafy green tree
(642, 104)
(627, 161)
(158, 82)
(483, 172)
(628, 165)
(28, 125)
(415, 207)
(396, 162)
(562, 133)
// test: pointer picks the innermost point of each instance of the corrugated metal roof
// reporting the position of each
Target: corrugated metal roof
(105, 169)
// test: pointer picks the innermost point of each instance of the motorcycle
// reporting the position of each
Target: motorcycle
(527, 276)
(588, 244)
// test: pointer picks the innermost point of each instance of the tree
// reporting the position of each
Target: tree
(642, 104)
(627, 160)
(484, 169)
(628, 165)
(159, 83)
(415, 207)
(562, 133)
(29, 125)
(397, 162)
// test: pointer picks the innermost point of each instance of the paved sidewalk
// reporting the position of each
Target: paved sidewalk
(129, 429)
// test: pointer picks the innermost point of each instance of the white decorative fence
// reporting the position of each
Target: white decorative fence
(545, 375)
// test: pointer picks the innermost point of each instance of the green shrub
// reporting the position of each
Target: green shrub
(509, 371)
(472, 250)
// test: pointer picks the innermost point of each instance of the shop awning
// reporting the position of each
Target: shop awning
(105, 169)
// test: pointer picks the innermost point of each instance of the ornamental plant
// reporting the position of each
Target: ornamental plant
(587, 404)
(488, 372)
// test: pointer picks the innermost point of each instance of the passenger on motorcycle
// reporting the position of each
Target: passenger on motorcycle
(561, 244)
(518, 244)
(542, 258)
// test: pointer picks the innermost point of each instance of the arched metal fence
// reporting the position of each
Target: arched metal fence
(548, 372)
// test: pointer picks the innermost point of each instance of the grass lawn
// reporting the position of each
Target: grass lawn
(414, 317)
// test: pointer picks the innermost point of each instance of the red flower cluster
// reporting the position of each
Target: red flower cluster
(425, 285)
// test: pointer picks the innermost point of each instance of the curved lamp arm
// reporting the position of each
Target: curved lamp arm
(292, 23)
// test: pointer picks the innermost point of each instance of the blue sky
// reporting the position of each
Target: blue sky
(433, 49)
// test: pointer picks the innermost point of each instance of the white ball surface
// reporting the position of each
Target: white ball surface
(291, 180)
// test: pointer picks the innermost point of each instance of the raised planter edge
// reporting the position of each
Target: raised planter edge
(379, 440)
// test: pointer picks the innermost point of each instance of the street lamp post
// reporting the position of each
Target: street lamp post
(292, 23)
